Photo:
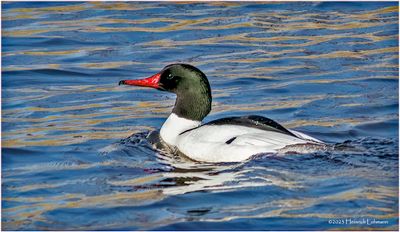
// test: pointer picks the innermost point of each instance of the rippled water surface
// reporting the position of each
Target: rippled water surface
(74, 148)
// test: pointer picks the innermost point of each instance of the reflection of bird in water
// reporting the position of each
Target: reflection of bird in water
(177, 174)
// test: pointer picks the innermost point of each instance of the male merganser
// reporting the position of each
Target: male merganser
(232, 139)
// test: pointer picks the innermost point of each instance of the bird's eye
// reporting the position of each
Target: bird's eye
(170, 76)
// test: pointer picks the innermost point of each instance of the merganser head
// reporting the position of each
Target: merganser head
(188, 83)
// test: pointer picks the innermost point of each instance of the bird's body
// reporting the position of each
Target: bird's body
(231, 139)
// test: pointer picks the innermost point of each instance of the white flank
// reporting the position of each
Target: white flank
(175, 125)
(208, 143)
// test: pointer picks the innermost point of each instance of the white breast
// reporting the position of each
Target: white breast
(173, 126)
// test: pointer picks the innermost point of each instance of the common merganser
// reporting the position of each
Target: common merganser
(232, 139)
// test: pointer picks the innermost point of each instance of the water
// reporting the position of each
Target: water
(327, 69)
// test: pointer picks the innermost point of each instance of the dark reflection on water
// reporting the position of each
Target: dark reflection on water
(74, 149)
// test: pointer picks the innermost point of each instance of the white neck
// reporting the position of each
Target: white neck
(175, 125)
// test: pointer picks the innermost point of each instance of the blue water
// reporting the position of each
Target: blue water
(74, 148)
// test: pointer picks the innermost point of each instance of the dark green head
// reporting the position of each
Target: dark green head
(188, 83)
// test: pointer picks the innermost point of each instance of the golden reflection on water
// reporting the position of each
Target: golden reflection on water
(71, 128)
(76, 128)
(197, 181)
(95, 25)
(39, 205)
(35, 52)
(299, 204)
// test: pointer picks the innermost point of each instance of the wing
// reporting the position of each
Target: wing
(253, 121)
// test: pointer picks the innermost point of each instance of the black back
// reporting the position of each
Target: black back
(253, 121)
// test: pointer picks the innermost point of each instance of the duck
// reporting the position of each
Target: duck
(231, 139)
